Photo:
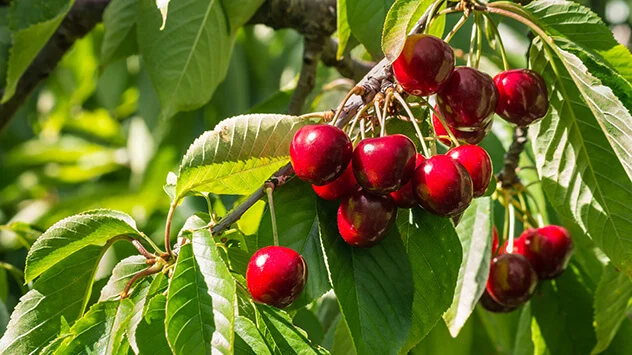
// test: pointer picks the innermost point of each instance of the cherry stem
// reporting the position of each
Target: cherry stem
(172, 210)
(501, 46)
(445, 125)
(479, 38)
(527, 193)
(275, 233)
(353, 91)
(357, 117)
(322, 115)
(153, 269)
(503, 10)
(473, 35)
(512, 224)
(380, 118)
(424, 146)
(362, 128)
(456, 28)
(141, 249)
(387, 101)
(432, 14)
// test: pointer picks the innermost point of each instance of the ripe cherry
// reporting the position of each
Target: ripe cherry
(470, 137)
(523, 97)
(364, 219)
(512, 280)
(338, 188)
(424, 65)
(494, 240)
(489, 304)
(385, 164)
(468, 100)
(549, 250)
(404, 197)
(320, 153)
(477, 163)
(276, 276)
(442, 186)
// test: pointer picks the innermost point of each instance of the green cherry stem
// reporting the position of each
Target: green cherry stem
(479, 38)
(172, 210)
(275, 234)
(512, 225)
(424, 146)
(355, 90)
(432, 13)
(380, 118)
(444, 123)
(456, 28)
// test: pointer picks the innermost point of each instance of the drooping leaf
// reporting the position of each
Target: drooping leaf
(238, 155)
(435, 254)
(32, 23)
(287, 338)
(100, 330)
(150, 333)
(581, 174)
(74, 233)
(612, 306)
(119, 38)
(475, 232)
(248, 340)
(297, 224)
(374, 286)
(59, 293)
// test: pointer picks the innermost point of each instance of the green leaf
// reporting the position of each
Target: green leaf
(100, 330)
(435, 255)
(61, 292)
(190, 56)
(373, 286)
(119, 38)
(297, 225)
(74, 233)
(5, 44)
(475, 233)
(524, 344)
(400, 19)
(612, 305)
(239, 12)
(150, 333)
(581, 173)
(4, 317)
(248, 340)
(287, 338)
(342, 27)
(238, 155)
(32, 23)
(343, 344)
(366, 20)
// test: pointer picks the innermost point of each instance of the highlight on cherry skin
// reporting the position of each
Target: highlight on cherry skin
(320, 153)
(276, 276)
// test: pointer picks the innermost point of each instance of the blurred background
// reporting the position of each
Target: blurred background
(90, 136)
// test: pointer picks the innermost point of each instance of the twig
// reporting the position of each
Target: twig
(507, 176)
(307, 78)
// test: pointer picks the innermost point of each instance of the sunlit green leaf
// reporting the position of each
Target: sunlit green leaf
(248, 340)
(150, 333)
(288, 338)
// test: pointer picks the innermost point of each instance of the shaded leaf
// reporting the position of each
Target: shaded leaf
(119, 38)
(287, 338)
(248, 340)
(343, 344)
(612, 305)
(400, 19)
(342, 26)
(150, 333)
(366, 20)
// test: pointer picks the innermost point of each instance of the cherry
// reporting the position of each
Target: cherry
(523, 97)
(404, 197)
(364, 219)
(385, 164)
(511, 280)
(276, 276)
(489, 304)
(442, 186)
(424, 65)
(494, 240)
(549, 250)
(320, 153)
(470, 137)
(468, 100)
(338, 188)
(477, 163)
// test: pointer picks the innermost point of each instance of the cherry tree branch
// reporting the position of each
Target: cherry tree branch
(307, 79)
(507, 176)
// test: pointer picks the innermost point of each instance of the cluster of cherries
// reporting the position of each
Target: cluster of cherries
(538, 254)
(381, 174)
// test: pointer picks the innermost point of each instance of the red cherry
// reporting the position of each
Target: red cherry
(489, 304)
(276, 276)
(404, 197)
(442, 186)
(364, 218)
(470, 137)
(338, 188)
(385, 164)
(523, 96)
(549, 250)
(477, 163)
(512, 280)
(424, 65)
(494, 240)
(468, 100)
(320, 153)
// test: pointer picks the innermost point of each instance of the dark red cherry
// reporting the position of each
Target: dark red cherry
(320, 153)
(338, 188)
(549, 250)
(477, 163)
(512, 280)
(468, 100)
(364, 218)
(276, 276)
(424, 65)
(385, 164)
(489, 304)
(523, 97)
(442, 186)
(404, 197)
(471, 137)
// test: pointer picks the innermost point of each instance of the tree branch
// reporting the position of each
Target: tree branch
(507, 176)
(81, 19)
(307, 78)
